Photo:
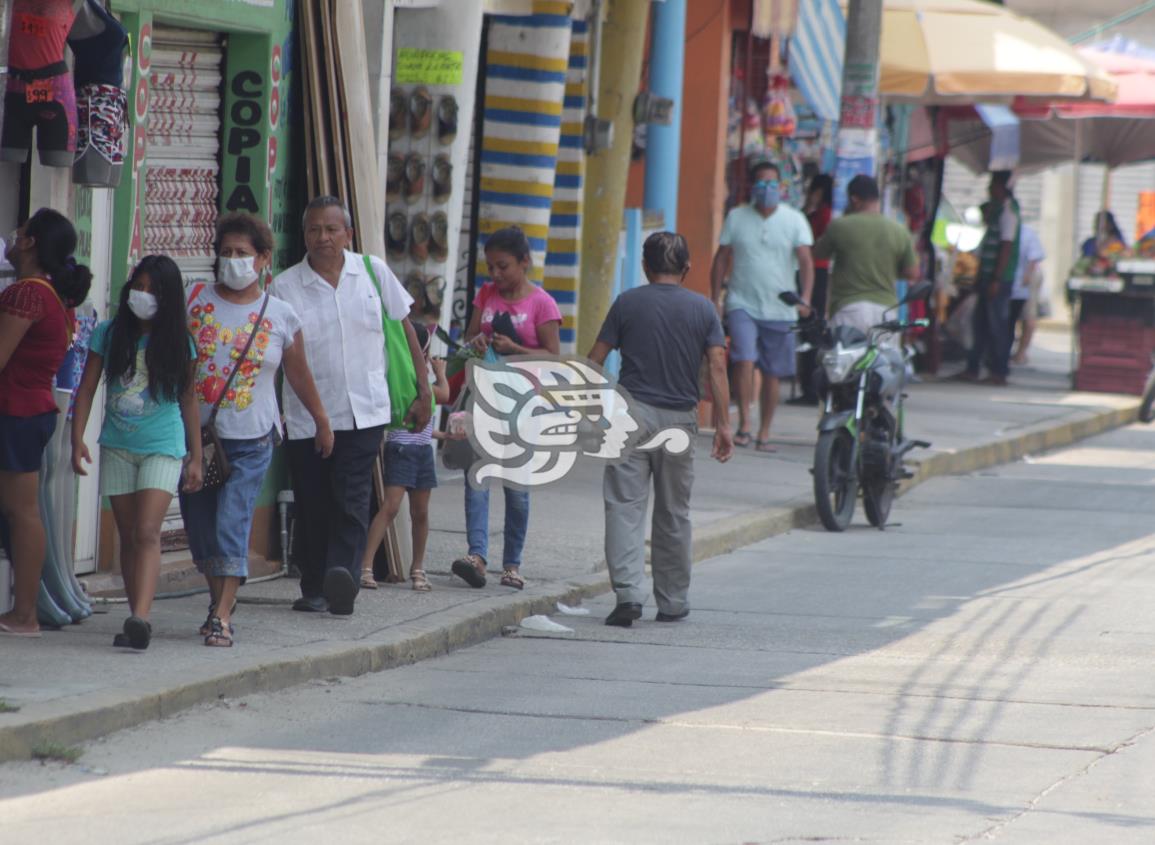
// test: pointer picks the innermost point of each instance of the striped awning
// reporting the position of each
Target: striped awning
(815, 56)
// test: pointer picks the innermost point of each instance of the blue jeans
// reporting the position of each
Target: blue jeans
(218, 522)
(992, 332)
(516, 524)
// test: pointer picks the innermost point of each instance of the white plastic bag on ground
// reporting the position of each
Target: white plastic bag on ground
(544, 625)
(566, 610)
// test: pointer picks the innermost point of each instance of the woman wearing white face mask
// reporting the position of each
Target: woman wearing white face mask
(151, 422)
(221, 319)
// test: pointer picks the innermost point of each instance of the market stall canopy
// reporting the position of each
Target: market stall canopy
(1133, 73)
(939, 51)
(969, 48)
(1112, 133)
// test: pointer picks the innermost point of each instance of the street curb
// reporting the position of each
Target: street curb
(107, 712)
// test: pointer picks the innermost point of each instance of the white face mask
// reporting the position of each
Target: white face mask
(142, 304)
(237, 273)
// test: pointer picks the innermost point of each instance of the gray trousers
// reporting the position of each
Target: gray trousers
(627, 493)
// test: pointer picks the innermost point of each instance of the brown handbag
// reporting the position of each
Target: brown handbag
(216, 463)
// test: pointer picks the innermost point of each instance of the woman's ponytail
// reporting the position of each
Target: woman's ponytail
(56, 242)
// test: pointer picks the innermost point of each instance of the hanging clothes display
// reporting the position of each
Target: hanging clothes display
(98, 42)
(39, 93)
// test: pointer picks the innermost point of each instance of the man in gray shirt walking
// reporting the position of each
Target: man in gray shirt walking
(662, 331)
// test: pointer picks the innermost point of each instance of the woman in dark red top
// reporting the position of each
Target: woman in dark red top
(818, 209)
(36, 324)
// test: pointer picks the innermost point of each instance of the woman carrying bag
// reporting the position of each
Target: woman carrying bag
(242, 336)
(511, 316)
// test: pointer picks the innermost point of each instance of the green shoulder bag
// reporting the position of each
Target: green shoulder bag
(400, 374)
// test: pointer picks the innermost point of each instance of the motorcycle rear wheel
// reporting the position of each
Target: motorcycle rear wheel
(835, 479)
(877, 496)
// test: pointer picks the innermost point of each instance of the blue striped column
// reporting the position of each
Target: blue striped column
(563, 261)
(526, 66)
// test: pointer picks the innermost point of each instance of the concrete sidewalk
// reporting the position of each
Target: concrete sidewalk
(72, 685)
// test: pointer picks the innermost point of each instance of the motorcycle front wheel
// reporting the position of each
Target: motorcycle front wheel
(835, 481)
(1147, 408)
(877, 495)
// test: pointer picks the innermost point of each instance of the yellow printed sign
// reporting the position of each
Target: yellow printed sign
(429, 67)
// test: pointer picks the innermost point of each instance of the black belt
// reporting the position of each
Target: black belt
(46, 72)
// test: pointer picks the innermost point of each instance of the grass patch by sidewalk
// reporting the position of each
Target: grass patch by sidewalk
(5, 707)
(53, 751)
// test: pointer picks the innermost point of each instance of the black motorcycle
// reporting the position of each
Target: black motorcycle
(861, 440)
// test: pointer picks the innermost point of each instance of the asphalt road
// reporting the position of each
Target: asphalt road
(982, 671)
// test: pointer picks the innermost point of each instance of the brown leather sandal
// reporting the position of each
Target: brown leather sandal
(471, 570)
(420, 112)
(398, 109)
(419, 238)
(439, 237)
(413, 185)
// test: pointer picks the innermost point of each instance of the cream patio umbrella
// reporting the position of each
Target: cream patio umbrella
(951, 50)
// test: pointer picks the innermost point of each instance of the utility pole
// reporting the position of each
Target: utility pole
(623, 44)
(664, 142)
(857, 126)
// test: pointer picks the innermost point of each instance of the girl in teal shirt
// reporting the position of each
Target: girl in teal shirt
(151, 427)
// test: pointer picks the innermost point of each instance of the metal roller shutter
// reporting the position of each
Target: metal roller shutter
(182, 183)
(965, 189)
(1126, 184)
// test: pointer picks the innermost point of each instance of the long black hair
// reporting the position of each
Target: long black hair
(55, 244)
(167, 355)
(823, 182)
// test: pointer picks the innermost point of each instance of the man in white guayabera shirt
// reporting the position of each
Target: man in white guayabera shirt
(337, 299)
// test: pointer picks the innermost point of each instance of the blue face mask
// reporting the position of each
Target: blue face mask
(766, 193)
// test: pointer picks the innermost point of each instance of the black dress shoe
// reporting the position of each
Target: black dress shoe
(340, 591)
(623, 615)
(311, 604)
(671, 617)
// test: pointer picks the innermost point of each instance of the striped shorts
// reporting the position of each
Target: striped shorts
(123, 472)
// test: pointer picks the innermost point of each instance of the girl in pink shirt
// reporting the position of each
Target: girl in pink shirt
(536, 322)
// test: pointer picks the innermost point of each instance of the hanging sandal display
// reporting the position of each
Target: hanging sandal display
(439, 236)
(396, 235)
(414, 181)
(446, 120)
(419, 238)
(398, 113)
(442, 179)
(394, 177)
(420, 113)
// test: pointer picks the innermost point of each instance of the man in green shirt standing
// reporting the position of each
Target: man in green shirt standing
(870, 253)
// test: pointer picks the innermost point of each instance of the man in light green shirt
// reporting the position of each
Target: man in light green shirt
(870, 253)
(763, 245)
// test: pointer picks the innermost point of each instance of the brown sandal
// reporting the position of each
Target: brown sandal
(471, 570)
(413, 184)
(398, 112)
(512, 578)
(420, 582)
(420, 112)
